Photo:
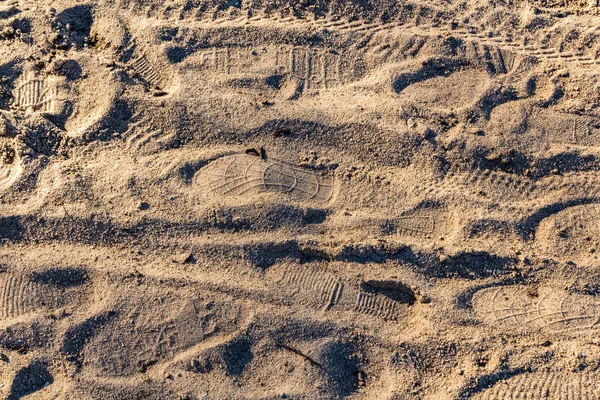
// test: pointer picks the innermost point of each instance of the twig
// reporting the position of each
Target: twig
(301, 354)
(65, 209)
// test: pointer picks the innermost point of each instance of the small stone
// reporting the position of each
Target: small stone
(185, 258)
(8, 31)
(143, 206)
(425, 299)
(58, 64)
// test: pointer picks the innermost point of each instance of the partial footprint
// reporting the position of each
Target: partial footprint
(421, 225)
(137, 46)
(149, 61)
(36, 94)
(518, 308)
(153, 323)
(572, 234)
(149, 132)
(545, 385)
(48, 290)
(447, 93)
(149, 72)
(86, 105)
(240, 175)
(68, 94)
(419, 222)
(108, 31)
(563, 128)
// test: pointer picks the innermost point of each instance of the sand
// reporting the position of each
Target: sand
(299, 199)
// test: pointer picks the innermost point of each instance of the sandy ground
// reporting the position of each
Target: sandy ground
(313, 199)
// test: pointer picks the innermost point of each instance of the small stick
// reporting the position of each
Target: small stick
(301, 354)
(65, 208)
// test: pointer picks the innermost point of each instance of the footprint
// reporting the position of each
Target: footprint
(517, 308)
(500, 185)
(325, 291)
(271, 66)
(314, 289)
(240, 175)
(133, 46)
(73, 89)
